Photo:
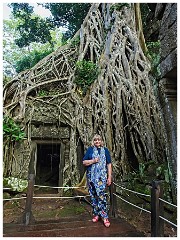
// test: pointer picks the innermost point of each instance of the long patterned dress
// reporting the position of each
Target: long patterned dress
(97, 179)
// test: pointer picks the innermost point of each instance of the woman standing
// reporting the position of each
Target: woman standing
(99, 170)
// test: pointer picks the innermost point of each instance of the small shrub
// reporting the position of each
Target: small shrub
(15, 184)
(154, 55)
(42, 93)
(75, 41)
(119, 6)
(86, 73)
(12, 130)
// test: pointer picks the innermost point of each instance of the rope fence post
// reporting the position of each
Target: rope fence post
(113, 199)
(28, 217)
(161, 213)
(157, 225)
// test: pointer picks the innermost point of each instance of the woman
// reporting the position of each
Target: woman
(99, 169)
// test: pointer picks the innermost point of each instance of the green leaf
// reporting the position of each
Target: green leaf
(11, 130)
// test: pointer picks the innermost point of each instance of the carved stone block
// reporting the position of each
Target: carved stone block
(49, 132)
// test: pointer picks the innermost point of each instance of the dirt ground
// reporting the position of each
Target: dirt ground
(43, 209)
(54, 209)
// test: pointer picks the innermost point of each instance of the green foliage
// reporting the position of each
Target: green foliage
(42, 93)
(68, 15)
(32, 28)
(27, 38)
(163, 173)
(11, 52)
(15, 184)
(154, 55)
(19, 59)
(85, 74)
(140, 179)
(57, 38)
(11, 130)
(145, 10)
(6, 79)
(21, 10)
(119, 6)
(29, 60)
(142, 168)
(166, 176)
(75, 41)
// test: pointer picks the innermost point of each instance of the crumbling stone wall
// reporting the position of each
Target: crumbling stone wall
(162, 26)
(168, 81)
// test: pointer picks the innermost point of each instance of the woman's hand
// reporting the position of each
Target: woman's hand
(96, 160)
(90, 162)
(109, 181)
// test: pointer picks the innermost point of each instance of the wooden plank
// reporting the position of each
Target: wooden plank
(82, 228)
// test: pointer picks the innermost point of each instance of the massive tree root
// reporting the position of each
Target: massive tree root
(120, 105)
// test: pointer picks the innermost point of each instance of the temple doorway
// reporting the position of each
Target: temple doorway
(47, 167)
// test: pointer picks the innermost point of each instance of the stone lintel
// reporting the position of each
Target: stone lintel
(50, 131)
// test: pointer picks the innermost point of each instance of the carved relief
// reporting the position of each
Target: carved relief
(49, 132)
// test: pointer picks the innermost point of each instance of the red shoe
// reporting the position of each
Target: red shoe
(106, 222)
(95, 219)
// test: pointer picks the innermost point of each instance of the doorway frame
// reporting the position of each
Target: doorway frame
(61, 158)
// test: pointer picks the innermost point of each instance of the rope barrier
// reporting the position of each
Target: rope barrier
(9, 199)
(78, 196)
(51, 187)
(60, 197)
(131, 203)
(167, 202)
(142, 194)
(168, 221)
(58, 187)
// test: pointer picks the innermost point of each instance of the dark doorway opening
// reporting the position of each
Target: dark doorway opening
(48, 162)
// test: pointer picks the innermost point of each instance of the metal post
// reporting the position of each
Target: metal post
(155, 209)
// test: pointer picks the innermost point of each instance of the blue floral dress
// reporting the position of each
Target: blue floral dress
(97, 179)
